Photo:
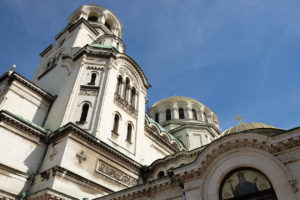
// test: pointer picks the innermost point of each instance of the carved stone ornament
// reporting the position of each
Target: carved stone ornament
(292, 183)
(116, 174)
(53, 153)
(81, 156)
(88, 90)
(95, 68)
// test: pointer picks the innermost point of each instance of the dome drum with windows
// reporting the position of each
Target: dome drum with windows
(190, 121)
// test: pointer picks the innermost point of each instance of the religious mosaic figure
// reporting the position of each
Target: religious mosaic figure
(243, 187)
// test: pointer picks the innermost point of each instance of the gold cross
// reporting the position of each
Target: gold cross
(239, 118)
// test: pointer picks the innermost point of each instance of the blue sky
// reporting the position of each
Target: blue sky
(235, 56)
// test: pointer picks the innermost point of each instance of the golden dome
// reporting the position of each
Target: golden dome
(248, 126)
(176, 99)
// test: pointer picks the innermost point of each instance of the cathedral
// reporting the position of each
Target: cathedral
(79, 130)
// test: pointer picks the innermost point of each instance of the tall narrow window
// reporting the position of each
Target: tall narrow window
(116, 123)
(127, 85)
(194, 114)
(156, 117)
(205, 117)
(119, 85)
(129, 133)
(168, 114)
(132, 97)
(84, 112)
(181, 113)
(93, 79)
(107, 25)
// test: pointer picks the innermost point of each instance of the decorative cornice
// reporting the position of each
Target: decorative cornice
(49, 193)
(30, 85)
(140, 191)
(191, 124)
(95, 52)
(90, 139)
(282, 146)
(160, 138)
(10, 119)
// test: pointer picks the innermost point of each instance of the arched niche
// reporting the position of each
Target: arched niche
(246, 183)
(245, 157)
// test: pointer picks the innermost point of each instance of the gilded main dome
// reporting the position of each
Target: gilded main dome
(250, 126)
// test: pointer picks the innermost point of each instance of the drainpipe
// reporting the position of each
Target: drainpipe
(176, 182)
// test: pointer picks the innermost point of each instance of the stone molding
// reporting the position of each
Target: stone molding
(28, 129)
(62, 172)
(36, 89)
(95, 52)
(159, 138)
(47, 194)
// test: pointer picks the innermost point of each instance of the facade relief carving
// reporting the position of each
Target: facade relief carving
(81, 156)
(116, 174)
(89, 90)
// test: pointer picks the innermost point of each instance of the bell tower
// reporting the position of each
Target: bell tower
(97, 86)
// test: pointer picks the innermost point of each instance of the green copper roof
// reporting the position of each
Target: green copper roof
(162, 129)
(102, 46)
(30, 123)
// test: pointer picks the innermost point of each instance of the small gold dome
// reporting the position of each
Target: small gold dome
(248, 126)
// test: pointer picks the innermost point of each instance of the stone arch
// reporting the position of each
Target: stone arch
(83, 102)
(221, 164)
(165, 136)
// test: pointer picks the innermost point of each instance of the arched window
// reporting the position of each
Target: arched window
(129, 133)
(116, 123)
(194, 114)
(246, 183)
(93, 18)
(127, 86)
(205, 117)
(132, 97)
(93, 79)
(107, 25)
(156, 117)
(119, 85)
(84, 112)
(181, 113)
(168, 114)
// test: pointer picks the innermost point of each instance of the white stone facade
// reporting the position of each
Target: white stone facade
(79, 130)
